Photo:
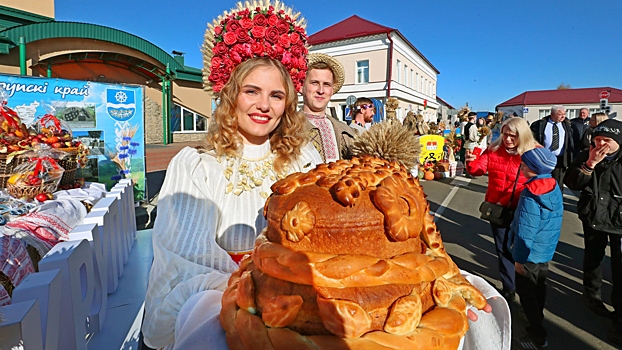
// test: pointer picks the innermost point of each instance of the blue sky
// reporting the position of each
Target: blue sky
(487, 51)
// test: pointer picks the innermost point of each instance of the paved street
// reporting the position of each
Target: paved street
(469, 241)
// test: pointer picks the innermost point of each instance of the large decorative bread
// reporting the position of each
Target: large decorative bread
(350, 259)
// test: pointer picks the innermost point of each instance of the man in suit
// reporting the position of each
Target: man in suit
(555, 133)
(332, 138)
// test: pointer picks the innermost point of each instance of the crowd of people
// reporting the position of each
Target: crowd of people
(584, 154)
(210, 204)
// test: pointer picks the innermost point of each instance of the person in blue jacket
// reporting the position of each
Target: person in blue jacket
(535, 232)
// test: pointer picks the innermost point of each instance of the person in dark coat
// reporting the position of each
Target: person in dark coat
(579, 126)
(598, 174)
(554, 132)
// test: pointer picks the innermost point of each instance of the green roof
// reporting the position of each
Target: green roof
(55, 29)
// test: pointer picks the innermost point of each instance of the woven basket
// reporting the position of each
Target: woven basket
(19, 190)
(6, 170)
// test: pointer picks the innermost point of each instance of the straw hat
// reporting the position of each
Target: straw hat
(335, 66)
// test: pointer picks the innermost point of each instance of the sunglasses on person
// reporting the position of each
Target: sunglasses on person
(366, 106)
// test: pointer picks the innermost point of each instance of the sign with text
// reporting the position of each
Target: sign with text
(604, 94)
(107, 118)
(431, 148)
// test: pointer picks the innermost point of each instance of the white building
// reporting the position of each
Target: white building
(379, 63)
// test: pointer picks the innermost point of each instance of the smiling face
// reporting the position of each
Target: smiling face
(260, 104)
(317, 90)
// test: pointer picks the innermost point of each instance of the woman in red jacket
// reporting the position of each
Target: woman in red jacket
(501, 160)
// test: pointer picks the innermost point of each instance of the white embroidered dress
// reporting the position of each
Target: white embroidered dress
(207, 207)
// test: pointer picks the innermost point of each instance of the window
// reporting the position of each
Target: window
(421, 84)
(417, 81)
(185, 120)
(570, 113)
(412, 78)
(362, 72)
(406, 75)
(399, 71)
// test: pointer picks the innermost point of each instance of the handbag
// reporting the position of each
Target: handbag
(498, 214)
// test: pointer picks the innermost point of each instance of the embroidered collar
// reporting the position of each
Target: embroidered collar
(313, 116)
(249, 171)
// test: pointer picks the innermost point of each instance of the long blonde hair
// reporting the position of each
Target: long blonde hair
(525, 138)
(286, 139)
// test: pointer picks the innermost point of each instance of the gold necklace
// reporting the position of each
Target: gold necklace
(250, 174)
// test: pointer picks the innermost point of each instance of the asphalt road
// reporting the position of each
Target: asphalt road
(468, 239)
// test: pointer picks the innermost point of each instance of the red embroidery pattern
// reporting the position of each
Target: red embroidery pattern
(320, 122)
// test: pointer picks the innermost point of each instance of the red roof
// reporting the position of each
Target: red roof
(566, 96)
(351, 27)
(443, 102)
(356, 27)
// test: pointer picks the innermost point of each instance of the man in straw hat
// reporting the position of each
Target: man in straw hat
(330, 137)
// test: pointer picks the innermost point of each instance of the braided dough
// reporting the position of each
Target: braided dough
(350, 259)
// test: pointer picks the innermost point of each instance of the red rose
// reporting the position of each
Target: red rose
(272, 34)
(216, 62)
(260, 20)
(242, 35)
(258, 32)
(257, 49)
(235, 57)
(282, 26)
(284, 41)
(287, 59)
(218, 30)
(220, 49)
(270, 52)
(243, 49)
(233, 25)
(302, 63)
(279, 49)
(273, 20)
(246, 22)
(297, 50)
(294, 38)
(229, 38)
(217, 87)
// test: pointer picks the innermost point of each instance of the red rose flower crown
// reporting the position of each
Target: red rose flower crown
(257, 29)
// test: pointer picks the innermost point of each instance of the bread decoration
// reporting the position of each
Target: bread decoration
(350, 259)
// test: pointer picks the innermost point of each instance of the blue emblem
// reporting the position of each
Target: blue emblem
(121, 104)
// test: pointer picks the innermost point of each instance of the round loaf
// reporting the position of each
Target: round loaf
(350, 258)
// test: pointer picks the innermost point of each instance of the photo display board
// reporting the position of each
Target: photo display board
(106, 118)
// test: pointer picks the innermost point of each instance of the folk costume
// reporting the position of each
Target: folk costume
(332, 138)
(210, 206)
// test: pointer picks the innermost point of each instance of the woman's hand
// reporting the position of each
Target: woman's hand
(469, 156)
(520, 268)
(597, 154)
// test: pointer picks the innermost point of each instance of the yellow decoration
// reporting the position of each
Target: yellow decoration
(431, 148)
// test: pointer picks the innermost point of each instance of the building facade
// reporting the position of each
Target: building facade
(379, 62)
(533, 105)
(32, 43)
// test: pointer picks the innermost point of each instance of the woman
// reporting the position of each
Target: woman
(502, 162)
(595, 119)
(210, 205)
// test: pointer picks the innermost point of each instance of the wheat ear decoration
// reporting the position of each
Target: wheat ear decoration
(391, 141)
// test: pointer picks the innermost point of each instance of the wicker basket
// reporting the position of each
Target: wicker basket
(19, 190)
(6, 170)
